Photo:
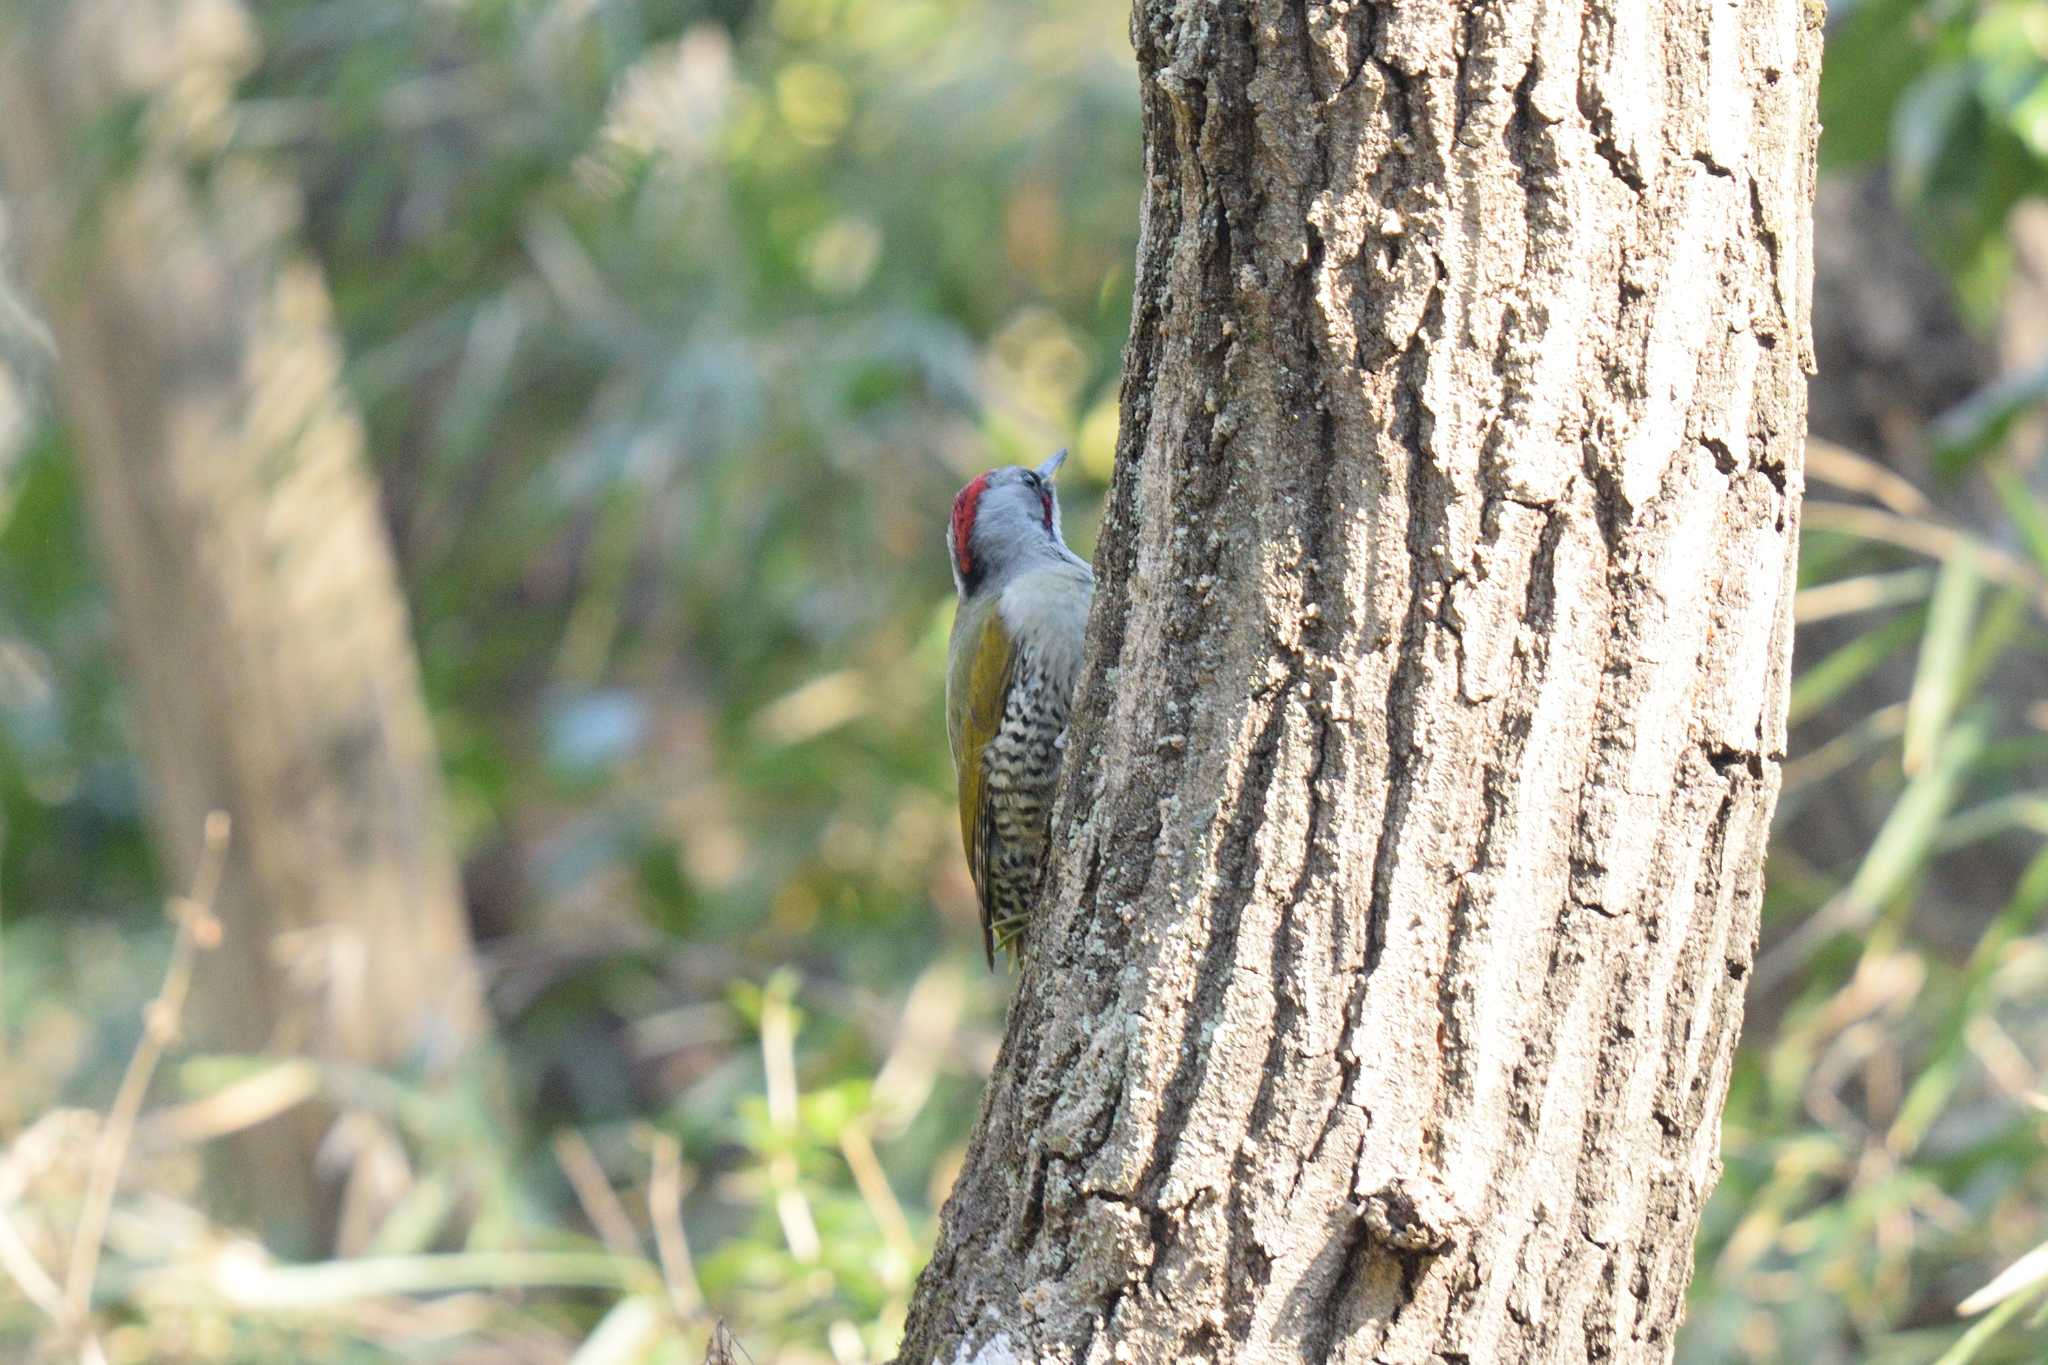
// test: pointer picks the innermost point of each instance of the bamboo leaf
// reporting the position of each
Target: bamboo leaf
(1938, 683)
(2029, 1272)
(1828, 678)
(1980, 1334)
(1980, 421)
(2026, 512)
(1903, 841)
(1932, 1089)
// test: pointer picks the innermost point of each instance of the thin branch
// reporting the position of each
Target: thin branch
(665, 1208)
(272, 1289)
(197, 929)
(1927, 537)
(844, 1339)
(1825, 761)
(594, 1192)
(859, 1150)
(231, 1109)
(778, 1061)
(1867, 592)
(1851, 472)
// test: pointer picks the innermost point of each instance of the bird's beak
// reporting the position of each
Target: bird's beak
(1052, 464)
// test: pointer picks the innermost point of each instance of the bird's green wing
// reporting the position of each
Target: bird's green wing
(980, 683)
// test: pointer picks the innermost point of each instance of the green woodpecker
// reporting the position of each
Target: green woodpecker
(1010, 671)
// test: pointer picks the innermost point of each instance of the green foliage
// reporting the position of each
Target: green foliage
(1980, 423)
(70, 808)
(1953, 94)
(1884, 1138)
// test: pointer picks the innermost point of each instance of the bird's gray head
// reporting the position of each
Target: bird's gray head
(1003, 521)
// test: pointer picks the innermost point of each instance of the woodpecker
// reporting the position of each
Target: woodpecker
(1011, 664)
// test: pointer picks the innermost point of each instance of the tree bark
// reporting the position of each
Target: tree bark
(223, 464)
(1382, 997)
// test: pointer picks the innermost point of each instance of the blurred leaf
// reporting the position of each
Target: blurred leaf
(1973, 427)
(2002, 626)
(1932, 1091)
(416, 1219)
(2008, 43)
(628, 1334)
(2028, 515)
(1903, 842)
(1874, 51)
(1934, 113)
(1822, 682)
(1981, 1334)
(1939, 683)
(2027, 1274)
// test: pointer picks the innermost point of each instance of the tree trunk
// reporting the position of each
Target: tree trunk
(1383, 993)
(224, 468)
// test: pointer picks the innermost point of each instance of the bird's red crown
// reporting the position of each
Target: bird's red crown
(965, 504)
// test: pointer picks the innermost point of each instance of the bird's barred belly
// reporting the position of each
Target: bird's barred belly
(1022, 762)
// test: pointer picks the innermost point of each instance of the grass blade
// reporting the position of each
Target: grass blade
(1938, 683)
